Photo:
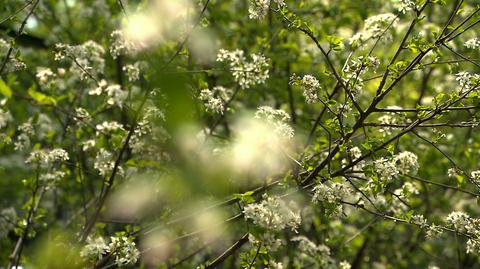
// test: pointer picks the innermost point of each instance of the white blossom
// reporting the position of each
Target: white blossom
(467, 81)
(44, 75)
(104, 162)
(258, 9)
(344, 265)
(452, 172)
(82, 115)
(434, 231)
(215, 99)
(355, 152)
(50, 179)
(116, 96)
(108, 127)
(420, 221)
(385, 169)
(311, 253)
(86, 59)
(95, 248)
(472, 43)
(273, 214)
(47, 157)
(89, 144)
(458, 219)
(278, 119)
(5, 117)
(310, 86)
(246, 73)
(102, 85)
(120, 45)
(124, 250)
(475, 175)
(386, 119)
(330, 195)
(26, 131)
(406, 5)
(406, 162)
(133, 71)
(374, 27)
(14, 64)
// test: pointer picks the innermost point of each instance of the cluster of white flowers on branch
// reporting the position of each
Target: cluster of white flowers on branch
(273, 213)
(472, 43)
(278, 119)
(86, 59)
(374, 27)
(330, 196)
(258, 9)
(246, 73)
(121, 248)
(14, 63)
(402, 163)
(310, 86)
(215, 99)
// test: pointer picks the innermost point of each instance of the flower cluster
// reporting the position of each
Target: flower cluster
(122, 248)
(311, 253)
(258, 9)
(50, 179)
(268, 240)
(5, 117)
(108, 127)
(374, 27)
(246, 73)
(47, 157)
(462, 222)
(278, 119)
(330, 196)
(273, 213)
(467, 81)
(389, 119)
(88, 58)
(116, 95)
(45, 160)
(45, 75)
(133, 71)
(385, 169)
(406, 162)
(26, 131)
(105, 163)
(475, 175)
(401, 198)
(120, 45)
(355, 68)
(14, 64)
(406, 5)
(459, 220)
(473, 43)
(354, 153)
(310, 86)
(420, 221)
(215, 99)
(402, 163)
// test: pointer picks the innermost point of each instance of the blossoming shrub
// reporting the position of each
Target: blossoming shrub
(239, 134)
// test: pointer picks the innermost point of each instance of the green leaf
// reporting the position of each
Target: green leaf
(336, 43)
(41, 98)
(460, 180)
(409, 215)
(5, 89)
